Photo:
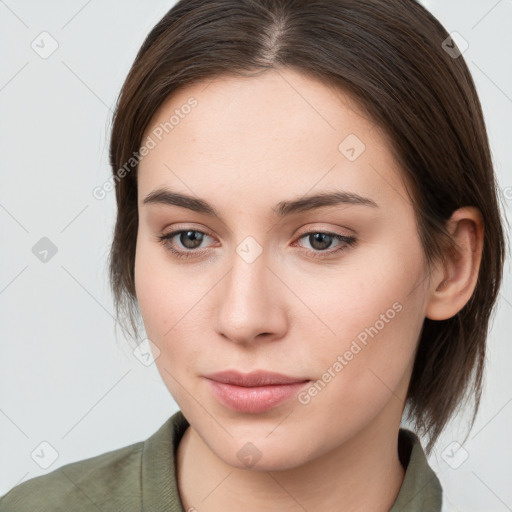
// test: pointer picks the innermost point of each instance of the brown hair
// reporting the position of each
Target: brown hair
(390, 55)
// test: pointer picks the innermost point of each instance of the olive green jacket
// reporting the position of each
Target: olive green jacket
(142, 477)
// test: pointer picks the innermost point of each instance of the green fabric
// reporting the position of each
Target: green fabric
(421, 490)
(142, 476)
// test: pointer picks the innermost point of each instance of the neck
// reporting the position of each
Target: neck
(364, 473)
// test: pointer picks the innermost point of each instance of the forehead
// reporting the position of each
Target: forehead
(276, 131)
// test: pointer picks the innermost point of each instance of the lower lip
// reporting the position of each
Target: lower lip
(254, 399)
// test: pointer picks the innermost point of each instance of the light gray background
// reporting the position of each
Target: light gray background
(64, 378)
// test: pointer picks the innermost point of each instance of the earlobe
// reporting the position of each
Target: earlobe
(453, 283)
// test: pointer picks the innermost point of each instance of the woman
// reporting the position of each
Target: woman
(308, 223)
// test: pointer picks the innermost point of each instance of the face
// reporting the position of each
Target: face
(330, 291)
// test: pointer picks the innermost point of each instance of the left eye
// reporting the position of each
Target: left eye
(320, 241)
(191, 239)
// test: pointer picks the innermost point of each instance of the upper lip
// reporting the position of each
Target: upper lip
(253, 379)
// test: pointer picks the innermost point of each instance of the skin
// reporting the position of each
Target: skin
(250, 143)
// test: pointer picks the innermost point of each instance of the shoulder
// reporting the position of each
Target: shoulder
(84, 485)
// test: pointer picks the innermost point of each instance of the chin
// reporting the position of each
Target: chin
(261, 454)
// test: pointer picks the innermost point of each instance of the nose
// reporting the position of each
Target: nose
(251, 302)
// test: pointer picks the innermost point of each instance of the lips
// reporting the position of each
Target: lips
(253, 379)
(253, 392)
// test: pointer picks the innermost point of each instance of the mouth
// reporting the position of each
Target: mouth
(254, 392)
(254, 379)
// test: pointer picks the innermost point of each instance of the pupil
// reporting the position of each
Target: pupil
(323, 239)
(191, 239)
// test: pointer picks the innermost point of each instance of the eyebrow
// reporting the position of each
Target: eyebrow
(165, 196)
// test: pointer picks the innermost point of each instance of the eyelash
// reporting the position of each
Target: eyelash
(348, 242)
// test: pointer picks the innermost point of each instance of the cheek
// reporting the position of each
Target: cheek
(168, 307)
(161, 294)
(363, 369)
(368, 288)
(371, 316)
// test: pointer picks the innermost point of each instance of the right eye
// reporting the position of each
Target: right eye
(188, 239)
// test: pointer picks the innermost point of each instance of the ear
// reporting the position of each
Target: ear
(453, 282)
